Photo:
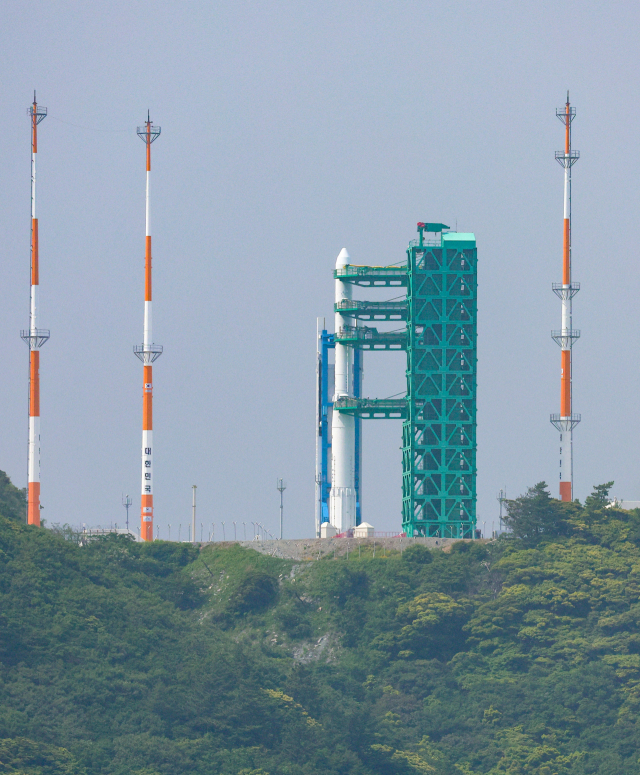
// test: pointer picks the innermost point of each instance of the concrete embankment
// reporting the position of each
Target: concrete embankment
(307, 549)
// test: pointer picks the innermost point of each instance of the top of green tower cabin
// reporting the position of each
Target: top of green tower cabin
(457, 236)
(424, 229)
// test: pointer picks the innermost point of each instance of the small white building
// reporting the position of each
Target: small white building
(363, 530)
(616, 503)
(327, 530)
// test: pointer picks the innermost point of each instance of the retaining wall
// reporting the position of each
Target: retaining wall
(315, 548)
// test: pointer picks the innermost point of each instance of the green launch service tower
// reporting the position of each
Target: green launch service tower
(439, 433)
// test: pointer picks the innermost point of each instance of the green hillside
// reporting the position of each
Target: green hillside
(517, 656)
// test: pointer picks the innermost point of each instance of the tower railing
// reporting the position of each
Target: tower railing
(372, 408)
(148, 353)
(35, 337)
(565, 424)
(567, 159)
(370, 338)
(565, 337)
(565, 291)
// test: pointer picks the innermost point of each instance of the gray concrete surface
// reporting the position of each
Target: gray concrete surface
(308, 549)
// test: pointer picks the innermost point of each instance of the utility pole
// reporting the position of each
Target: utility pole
(193, 516)
(127, 502)
(281, 486)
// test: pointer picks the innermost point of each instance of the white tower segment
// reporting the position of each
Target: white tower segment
(342, 500)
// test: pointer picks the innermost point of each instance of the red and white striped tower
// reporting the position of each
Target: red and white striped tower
(566, 421)
(35, 337)
(148, 353)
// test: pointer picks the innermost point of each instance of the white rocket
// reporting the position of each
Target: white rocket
(342, 501)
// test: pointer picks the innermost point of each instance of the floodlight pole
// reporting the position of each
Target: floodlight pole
(127, 501)
(193, 515)
(281, 486)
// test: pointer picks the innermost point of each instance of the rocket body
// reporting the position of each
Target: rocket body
(342, 498)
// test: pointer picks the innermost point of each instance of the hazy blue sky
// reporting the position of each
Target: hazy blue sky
(291, 130)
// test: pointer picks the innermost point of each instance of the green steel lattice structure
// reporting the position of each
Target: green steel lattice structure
(439, 434)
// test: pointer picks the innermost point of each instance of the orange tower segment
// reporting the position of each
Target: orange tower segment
(35, 337)
(147, 352)
(566, 421)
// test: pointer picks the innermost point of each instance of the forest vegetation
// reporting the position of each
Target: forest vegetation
(515, 656)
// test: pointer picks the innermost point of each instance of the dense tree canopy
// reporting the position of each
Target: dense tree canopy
(13, 502)
(536, 515)
(519, 656)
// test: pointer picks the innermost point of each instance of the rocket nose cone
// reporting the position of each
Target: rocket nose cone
(343, 259)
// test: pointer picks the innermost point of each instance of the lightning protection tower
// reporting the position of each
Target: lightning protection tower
(34, 337)
(566, 421)
(147, 352)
